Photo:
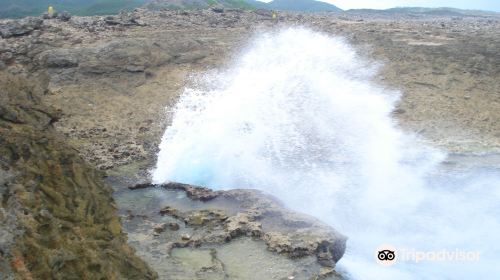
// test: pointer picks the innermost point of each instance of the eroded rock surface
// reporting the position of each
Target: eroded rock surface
(184, 219)
(57, 219)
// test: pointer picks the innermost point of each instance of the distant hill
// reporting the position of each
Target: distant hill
(302, 6)
(22, 8)
(442, 11)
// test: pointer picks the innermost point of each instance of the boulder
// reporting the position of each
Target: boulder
(22, 27)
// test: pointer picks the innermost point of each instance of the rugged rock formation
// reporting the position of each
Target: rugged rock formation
(57, 219)
(215, 219)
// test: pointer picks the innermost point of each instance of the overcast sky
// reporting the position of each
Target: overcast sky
(491, 5)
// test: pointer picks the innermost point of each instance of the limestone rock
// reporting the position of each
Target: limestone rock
(56, 216)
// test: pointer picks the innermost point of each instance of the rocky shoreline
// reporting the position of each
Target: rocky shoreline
(98, 91)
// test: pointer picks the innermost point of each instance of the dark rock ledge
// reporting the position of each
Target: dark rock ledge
(253, 214)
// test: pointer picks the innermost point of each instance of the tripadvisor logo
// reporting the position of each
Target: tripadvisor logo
(385, 255)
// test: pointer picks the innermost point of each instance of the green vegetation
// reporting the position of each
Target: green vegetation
(22, 8)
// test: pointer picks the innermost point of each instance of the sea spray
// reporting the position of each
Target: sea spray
(299, 116)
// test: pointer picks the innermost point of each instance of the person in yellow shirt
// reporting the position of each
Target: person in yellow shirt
(50, 11)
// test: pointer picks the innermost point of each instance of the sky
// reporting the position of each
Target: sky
(491, 5)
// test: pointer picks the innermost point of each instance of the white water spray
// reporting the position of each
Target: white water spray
(298, 117)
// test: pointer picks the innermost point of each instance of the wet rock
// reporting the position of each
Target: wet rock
(243, 224)
(196, 219)
(260, 216)
(237, 215)
(172, 212)
(159, 228)
(174, 226)
(193, 192)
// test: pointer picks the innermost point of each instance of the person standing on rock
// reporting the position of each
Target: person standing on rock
(50, 11)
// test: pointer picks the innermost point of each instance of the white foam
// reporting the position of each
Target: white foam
(299, 117)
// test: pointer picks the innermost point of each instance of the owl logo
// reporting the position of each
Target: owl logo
(385, 255)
